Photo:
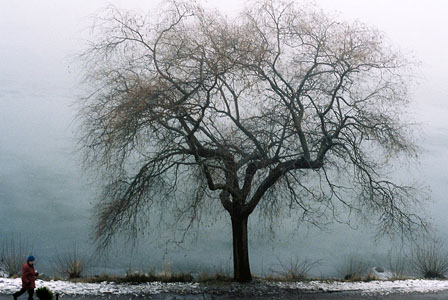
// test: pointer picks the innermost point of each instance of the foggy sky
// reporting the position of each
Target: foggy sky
(40, 178)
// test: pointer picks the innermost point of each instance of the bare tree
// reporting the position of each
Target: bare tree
(71, 264)
(296, 270)
(353, 268)
(430, 260)
(13, 254)
(282, 108)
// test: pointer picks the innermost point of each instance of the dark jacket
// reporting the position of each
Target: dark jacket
(28, 277)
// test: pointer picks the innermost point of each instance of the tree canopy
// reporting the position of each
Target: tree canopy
(282, 107)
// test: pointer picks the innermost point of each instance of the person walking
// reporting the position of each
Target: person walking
(28, 279)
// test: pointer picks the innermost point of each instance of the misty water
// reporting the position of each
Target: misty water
(46, 200)
(46, 204)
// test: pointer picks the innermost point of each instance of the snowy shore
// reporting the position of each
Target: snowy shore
(8, 286)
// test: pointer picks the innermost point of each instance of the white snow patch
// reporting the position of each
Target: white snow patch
(9, 286)
(372, 287)
(380, 273)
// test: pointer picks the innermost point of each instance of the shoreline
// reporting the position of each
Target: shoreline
(254, 290)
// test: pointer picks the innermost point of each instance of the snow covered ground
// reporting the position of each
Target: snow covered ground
(8, 286)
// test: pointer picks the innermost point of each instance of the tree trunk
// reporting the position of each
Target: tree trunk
(241, 268)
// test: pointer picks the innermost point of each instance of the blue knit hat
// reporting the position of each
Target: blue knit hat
(30, 258)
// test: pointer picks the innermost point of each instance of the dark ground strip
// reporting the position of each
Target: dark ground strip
(281, 296)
